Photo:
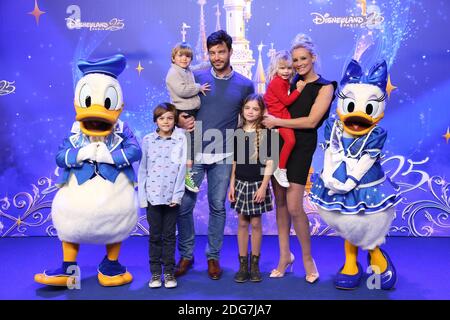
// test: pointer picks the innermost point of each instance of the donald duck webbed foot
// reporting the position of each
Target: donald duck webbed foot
(350, 275)
(61, 277)
(111, 273)
(348, 281)
(381, 264)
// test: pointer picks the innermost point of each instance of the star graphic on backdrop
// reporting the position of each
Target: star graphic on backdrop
(139, 68)
(36, 12)
(389, 86)
(447, 135)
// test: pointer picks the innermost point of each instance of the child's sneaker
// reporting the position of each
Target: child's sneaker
(170, 281)
(190, 183)
(281, 176)
(155, 282)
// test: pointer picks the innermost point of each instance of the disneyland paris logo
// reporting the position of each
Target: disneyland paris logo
(6, 87)
(370, 17)
(74, 21)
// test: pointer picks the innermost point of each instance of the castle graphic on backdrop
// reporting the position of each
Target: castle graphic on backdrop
(238, 14)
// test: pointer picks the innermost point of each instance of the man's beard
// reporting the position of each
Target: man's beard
(226, 64)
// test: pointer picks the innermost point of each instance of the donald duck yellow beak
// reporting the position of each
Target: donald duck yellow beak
(98, 95)
(97, 121)
(362, 98)
(358, 123)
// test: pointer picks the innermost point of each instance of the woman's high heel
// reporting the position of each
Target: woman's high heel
(278, 274)
(314, 276)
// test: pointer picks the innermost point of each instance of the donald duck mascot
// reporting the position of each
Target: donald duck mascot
(353, 194)
(96, 202)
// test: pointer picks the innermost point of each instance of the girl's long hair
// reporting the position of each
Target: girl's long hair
(258, 124)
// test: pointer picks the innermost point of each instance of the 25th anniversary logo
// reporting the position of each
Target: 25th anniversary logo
(370, 17)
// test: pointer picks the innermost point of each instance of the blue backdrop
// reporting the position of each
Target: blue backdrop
(40, 43)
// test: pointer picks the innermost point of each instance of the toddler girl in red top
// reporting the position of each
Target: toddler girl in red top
(278, 99)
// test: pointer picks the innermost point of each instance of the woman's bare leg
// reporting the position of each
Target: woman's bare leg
(301, 224)
(283, 225)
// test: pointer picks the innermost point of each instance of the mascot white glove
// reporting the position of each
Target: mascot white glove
(87, 153)
(103, 154)
(356, 173)
(340, 188)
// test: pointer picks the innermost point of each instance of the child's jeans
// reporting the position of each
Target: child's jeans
(162, 220)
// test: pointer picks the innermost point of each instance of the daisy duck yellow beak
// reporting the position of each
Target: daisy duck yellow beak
(96, 120)
(358, 123)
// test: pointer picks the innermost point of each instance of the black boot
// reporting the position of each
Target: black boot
(242, 275)
(255, 274)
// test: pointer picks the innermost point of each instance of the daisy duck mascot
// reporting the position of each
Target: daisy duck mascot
(96, 202)
(353, 194)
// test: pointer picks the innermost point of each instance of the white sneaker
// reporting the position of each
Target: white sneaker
(155, 282)
(170, 281)
(281, 176)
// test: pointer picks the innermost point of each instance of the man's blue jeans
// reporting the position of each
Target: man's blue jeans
(218, 179)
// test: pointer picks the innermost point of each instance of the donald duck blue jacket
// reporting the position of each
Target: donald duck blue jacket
(121, 143)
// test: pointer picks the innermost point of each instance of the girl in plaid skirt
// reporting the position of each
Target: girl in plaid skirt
(250, 194)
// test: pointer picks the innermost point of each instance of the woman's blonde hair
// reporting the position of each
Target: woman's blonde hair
(282, 55)
(302, 40)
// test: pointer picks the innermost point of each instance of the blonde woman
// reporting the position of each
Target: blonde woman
(307, 113)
